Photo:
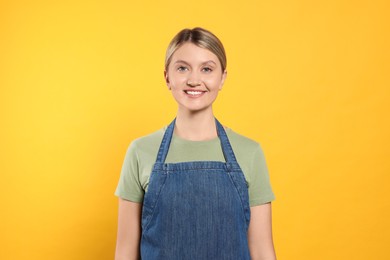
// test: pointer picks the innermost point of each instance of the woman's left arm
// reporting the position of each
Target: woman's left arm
(260, 240)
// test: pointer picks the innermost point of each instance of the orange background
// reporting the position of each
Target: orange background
(309, 80)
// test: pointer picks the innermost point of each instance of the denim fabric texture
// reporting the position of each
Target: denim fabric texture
(196, 210)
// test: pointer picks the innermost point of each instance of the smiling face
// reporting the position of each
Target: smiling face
(194, 77)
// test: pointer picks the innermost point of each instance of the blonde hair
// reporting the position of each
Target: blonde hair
(201, 38)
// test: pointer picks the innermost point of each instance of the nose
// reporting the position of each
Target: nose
(193, 80)
(193, 84)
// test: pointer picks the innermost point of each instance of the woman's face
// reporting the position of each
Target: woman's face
(195, 77)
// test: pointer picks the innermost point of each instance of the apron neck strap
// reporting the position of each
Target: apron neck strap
(225, 144)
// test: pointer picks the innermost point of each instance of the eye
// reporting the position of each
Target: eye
(182, 68)
(207, 69)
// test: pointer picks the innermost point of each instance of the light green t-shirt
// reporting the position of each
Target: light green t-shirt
(142, 153)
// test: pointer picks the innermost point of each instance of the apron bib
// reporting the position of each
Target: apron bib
(196, 210)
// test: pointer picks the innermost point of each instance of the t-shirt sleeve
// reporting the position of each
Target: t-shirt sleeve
(260, 190)
(129, 186)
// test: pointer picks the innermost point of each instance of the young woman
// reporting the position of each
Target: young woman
(194, 189)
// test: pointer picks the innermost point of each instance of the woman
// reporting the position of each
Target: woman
(194, 189)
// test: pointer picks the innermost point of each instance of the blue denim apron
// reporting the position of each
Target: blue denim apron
(196, 210)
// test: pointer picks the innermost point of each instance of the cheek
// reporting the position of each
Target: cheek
(213, 83)
(177, 82)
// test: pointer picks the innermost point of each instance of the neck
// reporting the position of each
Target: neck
(198, 126)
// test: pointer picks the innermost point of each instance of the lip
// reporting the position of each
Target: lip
(201, 93)
(194, 89)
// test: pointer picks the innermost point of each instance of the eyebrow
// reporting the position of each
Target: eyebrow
(182, 61)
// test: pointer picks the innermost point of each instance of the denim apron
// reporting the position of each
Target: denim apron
(196, 210)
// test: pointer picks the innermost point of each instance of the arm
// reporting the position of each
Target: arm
(260, 233)
(129, 230)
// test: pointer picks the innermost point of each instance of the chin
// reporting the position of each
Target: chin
(194, 109)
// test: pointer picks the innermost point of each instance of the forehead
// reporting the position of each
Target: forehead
(189, 52)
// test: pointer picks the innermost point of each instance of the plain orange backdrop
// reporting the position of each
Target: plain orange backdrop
(309, 80)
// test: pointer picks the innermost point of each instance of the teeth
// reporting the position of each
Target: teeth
(194, 92)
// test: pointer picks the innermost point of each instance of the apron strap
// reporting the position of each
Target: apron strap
(225, 144)
(164, 146)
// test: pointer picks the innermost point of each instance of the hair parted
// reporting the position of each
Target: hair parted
(201, 38)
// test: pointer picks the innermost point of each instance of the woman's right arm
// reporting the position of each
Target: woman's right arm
(129, 230)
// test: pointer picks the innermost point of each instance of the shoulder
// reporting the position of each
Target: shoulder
(148, 144)
(150, 138)
(241, 142)
(247, 151)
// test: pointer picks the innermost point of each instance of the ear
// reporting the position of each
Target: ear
(167, 79)
(224, 75)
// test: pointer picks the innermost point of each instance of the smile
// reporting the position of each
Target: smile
(194, 93)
